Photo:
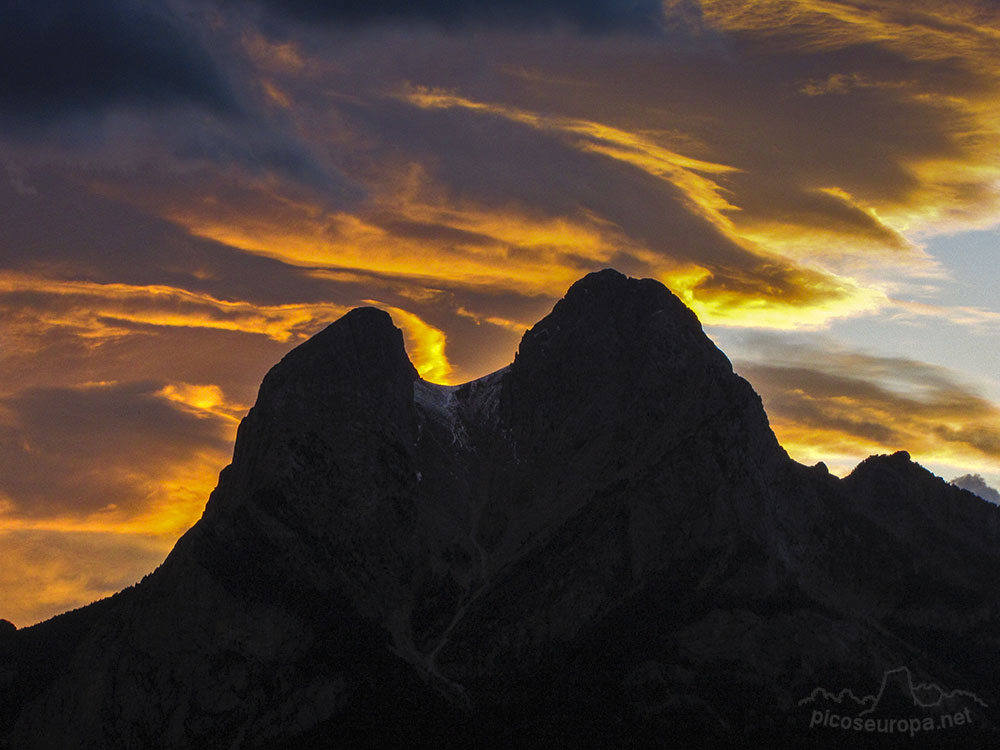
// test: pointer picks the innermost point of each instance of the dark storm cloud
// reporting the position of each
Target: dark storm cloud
(61, 58)
(263, 149)
(592, 16)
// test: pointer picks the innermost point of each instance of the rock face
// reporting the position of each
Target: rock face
(600, 545)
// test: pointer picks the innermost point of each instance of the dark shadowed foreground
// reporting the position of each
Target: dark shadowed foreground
(601, 545)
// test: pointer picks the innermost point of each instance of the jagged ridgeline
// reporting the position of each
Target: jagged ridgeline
(600, 545)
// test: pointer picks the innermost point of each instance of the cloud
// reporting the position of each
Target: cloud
(46, 572)
(598, 196)
(919, 29)
(204, 401)
(60, 58)
(592, 16)
(96, 484)
(974, 319)
(109, 454)
(976, 484)
(63, 229)
(808, 211)
(687, 174)
(805, 203)
(836, 405)
(94, 311)
(910, 85)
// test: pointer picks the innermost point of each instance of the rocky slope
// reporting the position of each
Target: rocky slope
(600, 545)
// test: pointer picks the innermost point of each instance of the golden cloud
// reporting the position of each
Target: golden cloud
(205, 400)
(840, 406)
(951, 70)
(425, 344)
(94, 310)
(774, 296)
(705, 196)
(415, 230)
(46, 572)
(487, 247)
(97, 484)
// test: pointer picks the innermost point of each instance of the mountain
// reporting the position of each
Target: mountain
(600, 545)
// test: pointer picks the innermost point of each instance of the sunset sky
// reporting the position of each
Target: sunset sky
(190, 188)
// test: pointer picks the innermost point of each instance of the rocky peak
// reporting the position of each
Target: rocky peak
(621, 359)
(605, 315)
(359, 358)
(347, 386)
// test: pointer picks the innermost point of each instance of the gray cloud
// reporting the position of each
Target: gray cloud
(592, 16)
(60, 58)
(975, 484)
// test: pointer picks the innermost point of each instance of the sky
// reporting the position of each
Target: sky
(190, 188)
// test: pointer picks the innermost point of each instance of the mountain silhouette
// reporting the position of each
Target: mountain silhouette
(600, 545)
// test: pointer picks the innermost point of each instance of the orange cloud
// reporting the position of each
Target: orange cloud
(515, 326)
(953, 69)
(489, 248)
(687, 174)
(90, 504)
(838, 406)
(98, 311)
(282, 57)
(415, 230)
(275, 94)
(203, 400)
(46, 572)
(105, 456)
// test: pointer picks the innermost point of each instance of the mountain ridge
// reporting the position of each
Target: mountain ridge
(602, 539)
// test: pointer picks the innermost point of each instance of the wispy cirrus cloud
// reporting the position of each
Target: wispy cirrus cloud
(829, 403)
(107, 310)
(937, 60)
